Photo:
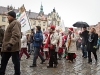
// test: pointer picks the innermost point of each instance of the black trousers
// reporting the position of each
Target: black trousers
(53, 58)
(70, 56)
(89, 56)
(15, 59)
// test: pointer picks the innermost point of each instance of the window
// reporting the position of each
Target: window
(3, 19)
(43, 29)
(58, 23)
(39, 23)
(44, 23)
(34, 23)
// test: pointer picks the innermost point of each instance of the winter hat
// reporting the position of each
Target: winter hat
(70, 29)
(52, 27)
(12, 13)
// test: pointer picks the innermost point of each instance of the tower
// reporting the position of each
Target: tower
(41, 13)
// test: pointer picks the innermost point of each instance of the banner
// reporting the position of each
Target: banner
(21, 16)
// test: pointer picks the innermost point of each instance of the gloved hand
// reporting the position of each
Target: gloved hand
(9, 47)
(94, 47)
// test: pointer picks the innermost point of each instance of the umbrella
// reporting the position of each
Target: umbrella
(80, 24)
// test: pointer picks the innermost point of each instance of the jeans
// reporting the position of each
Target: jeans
(28, 44)
(84, 51)
(15, 59)
(36, 54)
(31, 47)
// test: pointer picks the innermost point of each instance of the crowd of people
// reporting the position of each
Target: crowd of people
(49, 45)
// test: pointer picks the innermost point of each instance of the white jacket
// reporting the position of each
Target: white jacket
(54, 40)
(23, 42)
(60, 40)
(72, 47)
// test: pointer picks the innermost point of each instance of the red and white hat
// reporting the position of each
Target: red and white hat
(70, 29)
(52, 26)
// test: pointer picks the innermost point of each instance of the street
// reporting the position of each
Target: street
(79, 67)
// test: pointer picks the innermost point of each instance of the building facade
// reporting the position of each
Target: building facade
(36, 19)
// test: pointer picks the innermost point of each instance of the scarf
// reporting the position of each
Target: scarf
(90, 37)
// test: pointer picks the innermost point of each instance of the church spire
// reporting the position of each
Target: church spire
(41, 8)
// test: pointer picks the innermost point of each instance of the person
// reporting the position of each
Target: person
(98, 44)
(38, 40)
(70, 45)
(84, 36)
(28, 41)
(91, 45)
(53, 40)
(31, 41)
(11, 44)
(24, 46)
(1, 37)
(60, 45)
(45, 48)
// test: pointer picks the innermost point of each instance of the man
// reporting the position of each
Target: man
(11, 44)
(53, 40)
(1, 37)
(31, 41)
(38, 40)
(84, 36)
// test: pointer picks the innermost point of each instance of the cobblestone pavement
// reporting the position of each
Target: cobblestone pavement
(79, 67)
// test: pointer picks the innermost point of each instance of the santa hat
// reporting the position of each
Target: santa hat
(52, 27)
(70, 29)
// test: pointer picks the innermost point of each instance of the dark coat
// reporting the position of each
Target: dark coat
(12, 36)
(84, 36)
(1, 35)
(90, 45)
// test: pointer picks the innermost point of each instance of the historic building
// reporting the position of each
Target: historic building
(35, 19)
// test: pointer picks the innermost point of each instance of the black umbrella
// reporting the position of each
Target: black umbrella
(80, 24)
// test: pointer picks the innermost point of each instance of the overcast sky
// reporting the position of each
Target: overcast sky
(69, 10)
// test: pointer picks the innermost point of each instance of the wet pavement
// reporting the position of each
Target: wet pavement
(79, 67)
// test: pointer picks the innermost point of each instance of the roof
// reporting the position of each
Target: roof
(31, 14)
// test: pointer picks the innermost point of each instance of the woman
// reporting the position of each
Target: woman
(24, 46)
(92, 43)
(70, 44)
(45, 48)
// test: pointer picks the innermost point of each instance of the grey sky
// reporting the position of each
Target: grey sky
(69, 10)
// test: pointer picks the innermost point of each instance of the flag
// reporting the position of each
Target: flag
(22, 17)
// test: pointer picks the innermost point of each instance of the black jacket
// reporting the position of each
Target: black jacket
(90, 45)
(1, 35)
(84, 36)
